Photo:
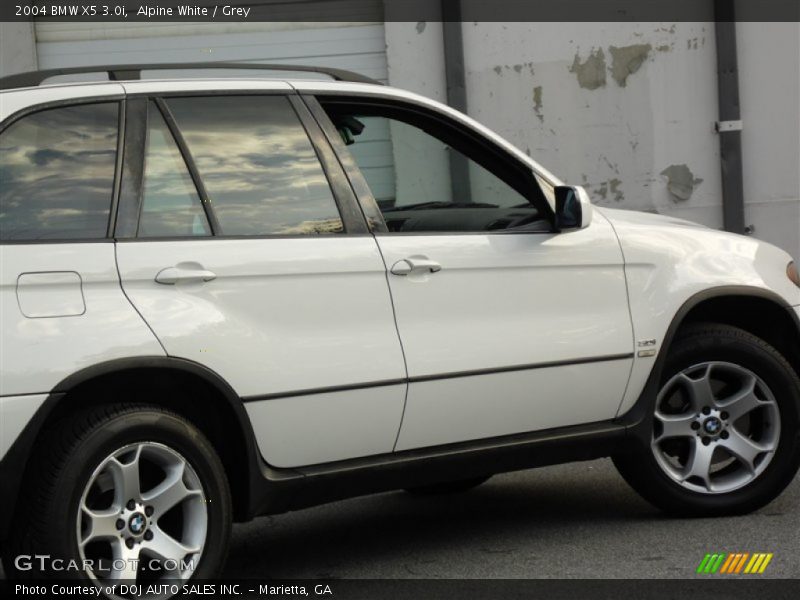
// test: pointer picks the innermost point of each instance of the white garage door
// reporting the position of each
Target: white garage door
(356, 46)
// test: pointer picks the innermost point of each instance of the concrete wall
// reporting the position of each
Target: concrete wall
(628, 109)
(415, 56)
(769, 75)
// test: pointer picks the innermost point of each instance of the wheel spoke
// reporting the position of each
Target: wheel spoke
(128, 559)
(700, 393)
(742, 402)
(122, 474)
(675, 426)
(169, 492)
(745, 449)
(165, 547)
(102, 524)
(126, 478)
(699, 463)
(718, 394)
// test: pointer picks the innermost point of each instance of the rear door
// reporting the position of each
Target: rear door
(244, 252)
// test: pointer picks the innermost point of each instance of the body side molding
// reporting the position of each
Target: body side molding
(439, 376)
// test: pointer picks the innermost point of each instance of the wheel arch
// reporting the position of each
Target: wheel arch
(760, 312)
(720, 304)
(188, 388)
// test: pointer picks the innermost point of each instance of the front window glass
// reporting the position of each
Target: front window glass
(423, 181)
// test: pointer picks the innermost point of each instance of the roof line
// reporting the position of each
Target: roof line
(134, 72)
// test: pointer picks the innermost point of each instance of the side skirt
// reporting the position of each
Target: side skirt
(283, 490)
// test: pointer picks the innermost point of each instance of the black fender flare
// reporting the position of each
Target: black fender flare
(637, 418)
(13, 465)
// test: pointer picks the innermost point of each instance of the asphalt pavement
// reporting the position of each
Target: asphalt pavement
(570, 521)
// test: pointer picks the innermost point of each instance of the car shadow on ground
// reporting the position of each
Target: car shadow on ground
(391, 526)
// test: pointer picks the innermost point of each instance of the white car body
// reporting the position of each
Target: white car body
(335, 363)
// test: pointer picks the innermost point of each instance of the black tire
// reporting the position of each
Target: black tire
(68, 454)
(700, 343)
(448, 487)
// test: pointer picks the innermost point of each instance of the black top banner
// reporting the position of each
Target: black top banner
(400, 10)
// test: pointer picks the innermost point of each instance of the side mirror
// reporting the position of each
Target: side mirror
(573, 208)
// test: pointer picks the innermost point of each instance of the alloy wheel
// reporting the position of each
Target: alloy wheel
(716, 427)
(142, 516)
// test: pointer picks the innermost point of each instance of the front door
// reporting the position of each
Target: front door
(507, 327)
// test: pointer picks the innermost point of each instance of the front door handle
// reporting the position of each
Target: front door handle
(415, 264)
(184, 272)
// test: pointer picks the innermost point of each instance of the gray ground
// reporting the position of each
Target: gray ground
(573, 521)
(578, 520)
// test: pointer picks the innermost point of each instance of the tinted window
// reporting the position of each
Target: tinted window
(57, 173)
(257, 164)
(170, 204)
(423, 182)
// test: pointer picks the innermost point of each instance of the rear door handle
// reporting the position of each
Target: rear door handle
(415, 264)
(186, 271)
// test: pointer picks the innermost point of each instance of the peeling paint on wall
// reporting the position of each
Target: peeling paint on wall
(537, 102)
(516, 68)
(613, 166)
(627, 60)
(601, 191)
(614, 186)
(681, 182)
(591, 73)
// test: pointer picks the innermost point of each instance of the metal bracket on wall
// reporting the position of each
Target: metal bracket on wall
(725, 126)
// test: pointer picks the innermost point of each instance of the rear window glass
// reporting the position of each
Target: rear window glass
(171, 206)
(57, 173)
(258, 166)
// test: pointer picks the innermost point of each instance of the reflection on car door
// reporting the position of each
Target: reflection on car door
(58, 277)
(506, 326)
(241, 261)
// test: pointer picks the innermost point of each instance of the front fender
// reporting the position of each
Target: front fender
(671, 266)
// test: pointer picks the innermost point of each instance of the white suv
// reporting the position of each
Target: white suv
(223, 298)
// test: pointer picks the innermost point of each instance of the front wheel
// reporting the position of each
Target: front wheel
(134, 493)
(723, 438)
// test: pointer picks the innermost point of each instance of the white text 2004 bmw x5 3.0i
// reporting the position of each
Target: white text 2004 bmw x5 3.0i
(234, 297)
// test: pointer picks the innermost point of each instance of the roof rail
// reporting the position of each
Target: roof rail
(133, 72)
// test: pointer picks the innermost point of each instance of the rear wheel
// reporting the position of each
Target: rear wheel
(723, 435)
(135, 492)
